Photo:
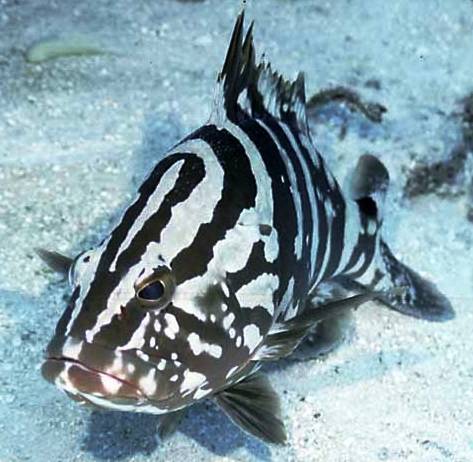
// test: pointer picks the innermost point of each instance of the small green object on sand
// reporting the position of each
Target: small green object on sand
(58, 47)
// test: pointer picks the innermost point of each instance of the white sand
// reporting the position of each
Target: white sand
(77, 134)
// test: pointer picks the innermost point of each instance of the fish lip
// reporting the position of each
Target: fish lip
(142, 397)
(66, 359)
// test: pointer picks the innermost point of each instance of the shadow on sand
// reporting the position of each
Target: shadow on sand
(115, 436)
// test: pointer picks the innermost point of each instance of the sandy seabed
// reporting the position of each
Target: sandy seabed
(77, 135)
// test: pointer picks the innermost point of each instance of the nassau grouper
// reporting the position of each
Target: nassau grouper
(217, 264)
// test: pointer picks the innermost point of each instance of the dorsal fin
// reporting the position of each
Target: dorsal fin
(245, 87)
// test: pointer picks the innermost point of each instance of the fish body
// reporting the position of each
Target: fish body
(214, 267)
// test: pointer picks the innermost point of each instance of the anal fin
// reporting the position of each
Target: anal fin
(254, 406)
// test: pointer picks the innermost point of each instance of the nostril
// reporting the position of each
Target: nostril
(122, 313)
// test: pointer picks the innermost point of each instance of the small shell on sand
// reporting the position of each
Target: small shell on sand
(58, 47)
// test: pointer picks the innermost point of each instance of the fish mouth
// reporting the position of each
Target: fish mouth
(94, 373)
(82, 381)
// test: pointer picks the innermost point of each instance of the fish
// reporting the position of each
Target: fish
(225, 260)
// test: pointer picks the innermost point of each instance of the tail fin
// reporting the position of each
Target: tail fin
(420, 299)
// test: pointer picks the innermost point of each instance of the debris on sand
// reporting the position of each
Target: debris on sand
(59, 47)
(447, 177)
(339, 94)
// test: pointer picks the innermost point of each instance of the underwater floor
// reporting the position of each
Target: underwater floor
(78, 133)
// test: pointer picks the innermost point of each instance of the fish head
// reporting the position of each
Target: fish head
(147, 332)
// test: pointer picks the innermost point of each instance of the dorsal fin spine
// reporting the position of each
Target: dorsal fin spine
(245, 87)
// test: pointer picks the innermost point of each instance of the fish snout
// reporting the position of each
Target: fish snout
(77, 378)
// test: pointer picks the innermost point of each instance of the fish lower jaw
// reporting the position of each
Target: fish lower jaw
(88, 386)
(76, 378)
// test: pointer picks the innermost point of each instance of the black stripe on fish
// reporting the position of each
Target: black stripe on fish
(256, 265)
(302, 271)
(337, 226)
(61, 327)
(284, 219)
(365, 248)
(238, 193)
(190, 174)
(315, 162)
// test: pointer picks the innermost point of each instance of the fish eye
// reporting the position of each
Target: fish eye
(156, 290)
(152, 292)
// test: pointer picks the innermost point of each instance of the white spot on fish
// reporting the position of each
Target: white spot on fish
(271, 247)
(148, 384)
(152, 342)
(287, 299)
(191, 380)
(232, 332)
(174, 356)
(110, 384)
(173, 327)
(228, 320)
(259, 292)
(238, 341)
(161, 364)
(130, 367)
(198, 346)
(142, 355)
(252, 336)
(225, 289)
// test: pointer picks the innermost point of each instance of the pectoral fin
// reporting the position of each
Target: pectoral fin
(56, 261)
(284, 337)
(253, 405)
